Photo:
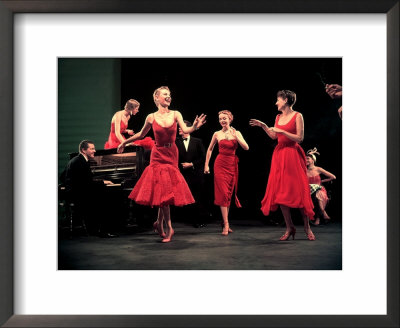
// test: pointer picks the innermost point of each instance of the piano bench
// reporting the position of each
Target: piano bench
(72, 215)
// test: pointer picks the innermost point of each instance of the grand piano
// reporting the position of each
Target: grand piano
(123, 170)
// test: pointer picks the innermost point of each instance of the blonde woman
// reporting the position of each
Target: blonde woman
(161, 183)
(226, 172)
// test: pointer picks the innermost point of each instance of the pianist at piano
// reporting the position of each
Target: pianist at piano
(85, 192)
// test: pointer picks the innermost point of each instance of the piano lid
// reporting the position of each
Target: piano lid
(128, 149)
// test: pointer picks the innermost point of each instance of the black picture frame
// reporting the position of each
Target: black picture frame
(10, 7)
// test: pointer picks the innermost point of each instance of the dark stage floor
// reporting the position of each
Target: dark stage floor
(252, 246)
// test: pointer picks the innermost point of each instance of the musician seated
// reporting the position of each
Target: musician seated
(85, 192)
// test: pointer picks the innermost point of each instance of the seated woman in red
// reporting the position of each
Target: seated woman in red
(316, 187)
(226, 172)
(119, 124)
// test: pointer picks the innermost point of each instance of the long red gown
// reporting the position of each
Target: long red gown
(161, 182)
(113, 141)
(287, 181)
(226, 173)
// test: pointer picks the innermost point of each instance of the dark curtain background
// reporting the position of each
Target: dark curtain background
(247, 87)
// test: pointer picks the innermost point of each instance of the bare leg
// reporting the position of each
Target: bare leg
(167, 219)
(229, 229)
(321, 206)
(224, 212)
(290, 229)
(158, 225)
(288, 219)
(307, 228)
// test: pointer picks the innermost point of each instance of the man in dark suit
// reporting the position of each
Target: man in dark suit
(191, 164)
(86, 193)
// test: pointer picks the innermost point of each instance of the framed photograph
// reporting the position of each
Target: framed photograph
(246, 33)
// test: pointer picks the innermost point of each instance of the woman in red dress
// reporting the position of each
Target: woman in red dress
(161, 183)
(119, 124)
(314, 179)
(226, 171)
(287, 182)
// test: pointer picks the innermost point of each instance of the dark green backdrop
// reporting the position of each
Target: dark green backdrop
(89, 92)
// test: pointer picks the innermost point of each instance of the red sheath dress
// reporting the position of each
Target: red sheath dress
(162, 183)
(287, 181)
(226, 173)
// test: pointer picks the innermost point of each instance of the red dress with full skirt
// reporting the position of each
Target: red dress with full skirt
(113, 141)
(226, 173)
(287, 181)
(162, 183)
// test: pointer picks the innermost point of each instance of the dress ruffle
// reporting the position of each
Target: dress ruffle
(162, 185)
(147, 143)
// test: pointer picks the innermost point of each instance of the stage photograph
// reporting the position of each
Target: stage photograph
(213, 163)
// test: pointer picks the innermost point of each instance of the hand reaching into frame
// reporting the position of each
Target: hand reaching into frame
(334, 90)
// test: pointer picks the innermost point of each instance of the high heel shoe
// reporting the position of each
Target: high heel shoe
(287, 234)
(155, 226)
(310, 235)
(168, 239)
(229, 229)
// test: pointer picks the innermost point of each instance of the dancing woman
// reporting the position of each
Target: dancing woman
(316, 187)
(287, 182)
(226, 171)
(161, 183)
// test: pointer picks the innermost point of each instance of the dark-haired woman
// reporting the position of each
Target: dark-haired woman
(287, 182)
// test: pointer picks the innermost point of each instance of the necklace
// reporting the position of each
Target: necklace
(226, 134)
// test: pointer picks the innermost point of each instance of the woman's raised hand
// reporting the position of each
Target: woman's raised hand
(233, 132)
(199, 121)
(254, 122)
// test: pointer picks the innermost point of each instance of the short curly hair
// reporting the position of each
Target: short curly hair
(157, 92)
(132, 104)
(226, 112)
(290, 96)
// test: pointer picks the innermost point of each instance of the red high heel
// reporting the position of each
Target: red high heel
(287, 234)
(310, 235)
(168, 239)
(155, 226)
(229, 229)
